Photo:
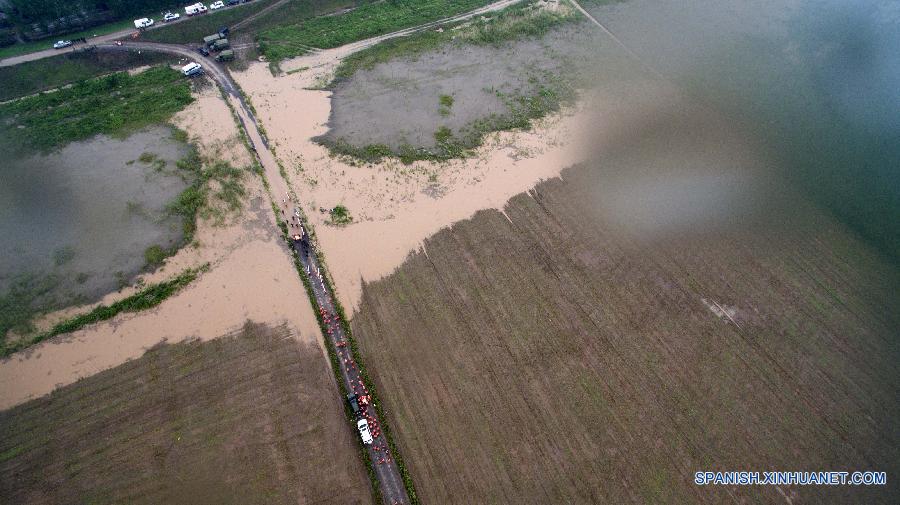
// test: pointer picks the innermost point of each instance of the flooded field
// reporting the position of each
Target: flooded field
(76, 223)
(404, 102)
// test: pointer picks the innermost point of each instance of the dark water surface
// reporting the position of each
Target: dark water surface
(77, 221)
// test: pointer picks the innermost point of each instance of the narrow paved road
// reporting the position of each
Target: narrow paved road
(392, 488)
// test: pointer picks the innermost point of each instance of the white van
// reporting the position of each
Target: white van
(363, 426)
(197, 8)
(143, 23)
(192, 69)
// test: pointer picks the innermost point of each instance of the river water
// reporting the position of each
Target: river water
(816, 83)
(76, 222)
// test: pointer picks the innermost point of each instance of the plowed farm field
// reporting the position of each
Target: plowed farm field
(252, 417)
(542, 355)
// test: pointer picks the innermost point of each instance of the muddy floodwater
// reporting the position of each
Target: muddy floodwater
(75, 223)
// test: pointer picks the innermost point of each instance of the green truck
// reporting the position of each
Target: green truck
(220, 45)
(209, 40)
(226, 55)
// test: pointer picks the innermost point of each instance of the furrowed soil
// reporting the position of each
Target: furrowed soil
(544, 354)
(251, 417)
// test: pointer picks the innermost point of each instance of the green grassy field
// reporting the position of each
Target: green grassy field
(115, 104)
(250, 418)
(50, 73)
(366, 21)
(40, 45)
(543, 355)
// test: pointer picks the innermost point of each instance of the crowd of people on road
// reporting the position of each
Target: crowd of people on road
(334, 333)
(345, 357)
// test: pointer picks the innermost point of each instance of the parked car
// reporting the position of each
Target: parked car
(353, 401)
(232, 2)
(192, 69)
(363, 426)
(216, 5)
(202, 50)
(59, 44)
(171, 16)
(197, 8)
(143, 23)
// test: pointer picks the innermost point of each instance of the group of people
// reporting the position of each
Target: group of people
(332, 324)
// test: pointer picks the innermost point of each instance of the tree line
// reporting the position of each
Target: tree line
(27, 12)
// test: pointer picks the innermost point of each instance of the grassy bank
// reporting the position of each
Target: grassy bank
(114, 105)
(51, 73)
(366, 21)
(146, 298)
(40, 45)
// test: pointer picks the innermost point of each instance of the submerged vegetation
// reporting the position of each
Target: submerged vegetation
(368, 20)
(116, 104)
(146, 298)
(217, 190)
(550, 96)
(547, 91)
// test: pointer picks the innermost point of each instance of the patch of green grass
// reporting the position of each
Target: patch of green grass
(26, 294)
(115, 105)
(51, 73)
(146, 157)
(366, 21)
(445, 103)
(340, 215)
(148, 297)
(154, 256)
(217, 190)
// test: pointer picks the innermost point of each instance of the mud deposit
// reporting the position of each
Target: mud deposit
(568, 362)
(75, 223)
(398, 103)
(250, 418)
